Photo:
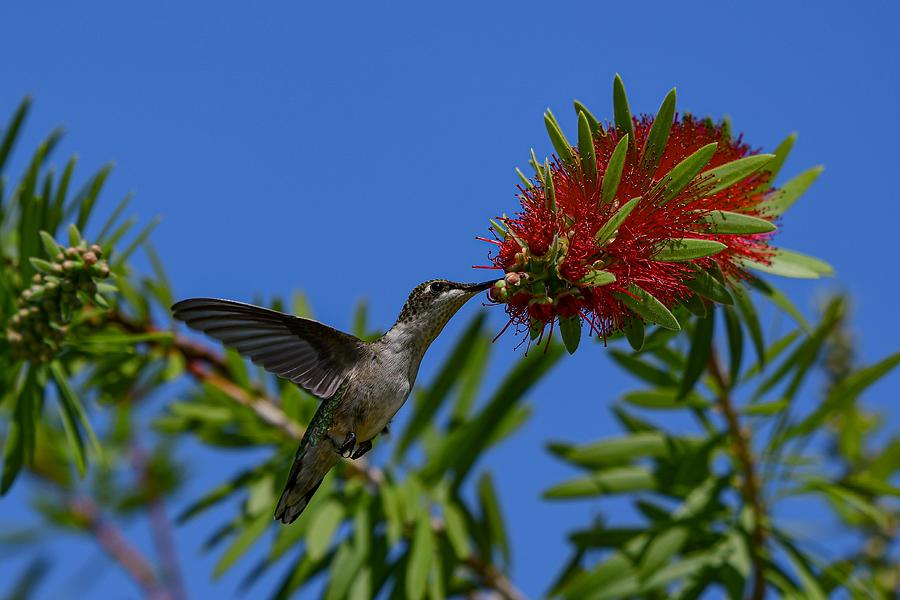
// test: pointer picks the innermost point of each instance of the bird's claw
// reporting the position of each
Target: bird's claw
(361, 449)
(346, 449)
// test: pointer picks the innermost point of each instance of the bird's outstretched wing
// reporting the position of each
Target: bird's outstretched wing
(312, 355)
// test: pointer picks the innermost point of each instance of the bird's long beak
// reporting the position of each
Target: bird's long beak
(474, 288)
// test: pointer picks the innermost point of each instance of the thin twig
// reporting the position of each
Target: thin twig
(494, 578)
(161, 527)
(489, 574)
(750, 487)
(114, 543)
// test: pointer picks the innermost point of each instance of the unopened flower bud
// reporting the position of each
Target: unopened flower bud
(97, 250)
(71, 252)
(513, 278)
(89, 258)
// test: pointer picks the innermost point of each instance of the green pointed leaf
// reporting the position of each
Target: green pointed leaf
(812, 590)
(682, 174)
(844, 394)
(324, 522)
(538, 172)
(597, 278)
(785, 196)
(614, 480)
(613, 174)
(642, 369)
(687, 249)
(248, 535)
(74, 235)
(42, 266)
(549, 190)
(457, 533)
(560, 143)
(222, 492)
(51, 248)
(498, 229)
(611, 451)
(701, 347)
(751, 320)
(724, 176)
(788, 263)
(659, 134)
(774, 167)
(686, 569)
(73, 436)
(119, 232)
(649, 308)
(525, 181)
(72, 403)
(709, 287)
(459, 450)
(781, 301)
(596, 129)
(724, 222)
(12, 131)
(492, 515)
(611, 226)
(86, 197)
(694, 304)
(420, 556)
(765, 409)
(20, 433)
(114, 217)
(634, 333)
(661, 549)
(664, 399)
(570, 329)
(773, 352)
(137, 241)
(586, 150)
(621, 109)
(735, 343)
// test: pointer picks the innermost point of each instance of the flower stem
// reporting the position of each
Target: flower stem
(750, 489)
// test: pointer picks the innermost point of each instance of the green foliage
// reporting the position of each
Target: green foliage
(424, 520)
(703, 527)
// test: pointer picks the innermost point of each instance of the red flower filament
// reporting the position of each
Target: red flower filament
(560, 262)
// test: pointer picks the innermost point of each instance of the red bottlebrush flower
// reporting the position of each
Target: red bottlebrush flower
(637, 218)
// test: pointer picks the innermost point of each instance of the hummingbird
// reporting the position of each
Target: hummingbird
(362, 385)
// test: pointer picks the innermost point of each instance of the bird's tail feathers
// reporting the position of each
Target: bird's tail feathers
(307, 473)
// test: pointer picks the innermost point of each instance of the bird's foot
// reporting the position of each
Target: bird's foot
(346, 449)
(361, 449)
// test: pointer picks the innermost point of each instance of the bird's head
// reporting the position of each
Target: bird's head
(433, 303)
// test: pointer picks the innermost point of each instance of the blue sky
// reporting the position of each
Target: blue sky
(355, 149)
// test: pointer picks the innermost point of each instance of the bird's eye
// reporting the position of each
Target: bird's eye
(437, 287)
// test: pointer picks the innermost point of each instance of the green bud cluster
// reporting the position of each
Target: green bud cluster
(58, 291)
